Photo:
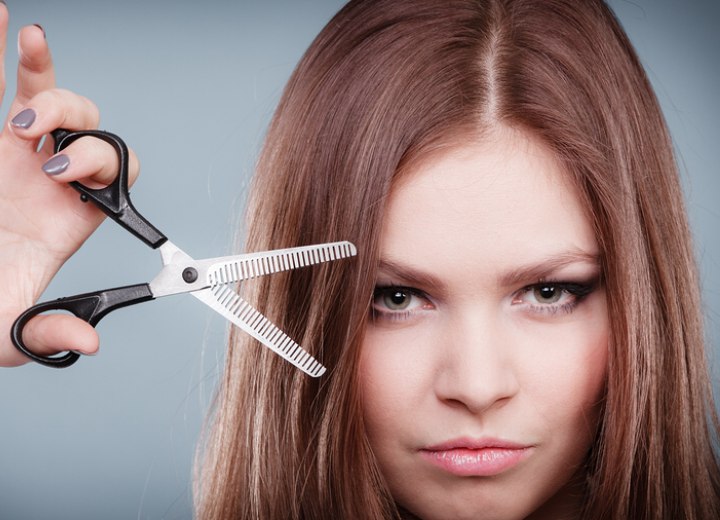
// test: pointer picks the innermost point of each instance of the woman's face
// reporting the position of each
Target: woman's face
(484, 362)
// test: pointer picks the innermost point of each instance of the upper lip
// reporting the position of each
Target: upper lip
(471, 443)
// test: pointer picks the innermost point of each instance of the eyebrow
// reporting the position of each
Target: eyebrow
(531, 272)
(539, 271)
(410, 276)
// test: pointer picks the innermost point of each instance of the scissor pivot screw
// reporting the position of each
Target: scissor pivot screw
(190, 274)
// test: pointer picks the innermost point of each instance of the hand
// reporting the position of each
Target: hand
(42, 220)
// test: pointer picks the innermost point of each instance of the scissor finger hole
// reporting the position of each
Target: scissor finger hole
(54, 333)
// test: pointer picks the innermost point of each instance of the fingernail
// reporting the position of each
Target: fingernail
(41, 28)
(24, 119)
(56, 165)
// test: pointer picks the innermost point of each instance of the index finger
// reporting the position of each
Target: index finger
(3, 45)
(35, 66)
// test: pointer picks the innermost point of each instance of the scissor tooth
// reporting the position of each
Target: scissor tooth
(255, 319)
(292, 349)
(300, 356)
(245, 312)
(249, 315)
(308, 362)
(274, 335)
(297, 352)
(263, 326)
(226, 295)
(226, 298)
(237, 303)
(317, 370)
(287, 344)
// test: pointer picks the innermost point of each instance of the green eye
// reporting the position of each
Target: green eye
(547, 293)
(397, 300)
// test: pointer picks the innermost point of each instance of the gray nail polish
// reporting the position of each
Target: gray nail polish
(56, 165)
(24, 119)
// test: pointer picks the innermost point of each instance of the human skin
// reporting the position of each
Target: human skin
(42, 223)
(484, 363)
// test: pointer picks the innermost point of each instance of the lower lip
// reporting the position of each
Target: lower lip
(485, 462)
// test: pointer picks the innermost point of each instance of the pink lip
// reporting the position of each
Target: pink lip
(468, 457)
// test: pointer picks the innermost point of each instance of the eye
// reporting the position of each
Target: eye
(547, 293)
(396, 299)
(398, 303)
(553, 297)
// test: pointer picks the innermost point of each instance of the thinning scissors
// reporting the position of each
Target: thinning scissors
(211, 280)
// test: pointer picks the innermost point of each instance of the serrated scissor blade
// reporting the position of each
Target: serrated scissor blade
(242, 267)
(216, 276)
(229, 304)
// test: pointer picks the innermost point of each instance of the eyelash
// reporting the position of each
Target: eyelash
(390, 315)
(577, 292)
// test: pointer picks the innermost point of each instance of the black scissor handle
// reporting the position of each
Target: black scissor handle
(113, 199)
(90, 307)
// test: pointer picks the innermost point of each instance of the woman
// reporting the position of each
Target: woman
(408, 128)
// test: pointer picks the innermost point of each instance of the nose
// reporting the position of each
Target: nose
(478, 370)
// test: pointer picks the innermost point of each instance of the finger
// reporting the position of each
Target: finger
(3, 46)
(49, 334)
(35, 67)
(49, 110)
(90, 160)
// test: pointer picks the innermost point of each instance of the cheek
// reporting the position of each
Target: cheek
(395, 370)
(383, 384)
(568, 378)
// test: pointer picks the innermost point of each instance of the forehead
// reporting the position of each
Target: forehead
(501, 199)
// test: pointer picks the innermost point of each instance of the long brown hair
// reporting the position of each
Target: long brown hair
(386, 82)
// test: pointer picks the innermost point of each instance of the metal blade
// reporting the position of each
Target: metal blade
(229, 304)
(242, 267)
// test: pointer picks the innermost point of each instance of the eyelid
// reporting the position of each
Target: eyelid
(382, 289)
(576, 291)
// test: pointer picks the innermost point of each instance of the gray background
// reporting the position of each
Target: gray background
(191, 87)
